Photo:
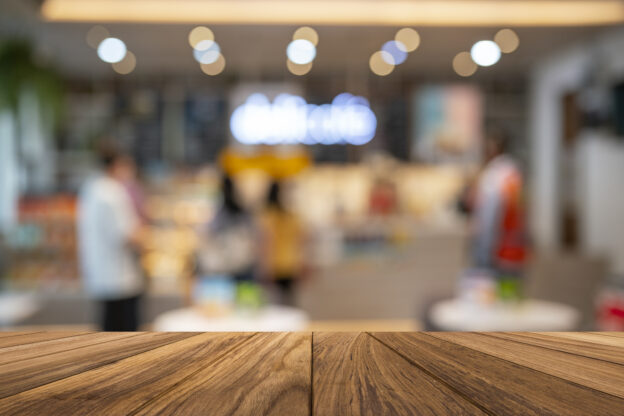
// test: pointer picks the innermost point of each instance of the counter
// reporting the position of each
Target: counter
(302, 373)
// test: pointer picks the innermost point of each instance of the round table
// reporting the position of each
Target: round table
(16, 307)
(526, 315)
(268, 319)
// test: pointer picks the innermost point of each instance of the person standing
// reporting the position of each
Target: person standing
(109, 233)
(499, 229)
(283, 241)
(227, 245)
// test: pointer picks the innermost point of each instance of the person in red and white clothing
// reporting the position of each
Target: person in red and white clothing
(499, 237)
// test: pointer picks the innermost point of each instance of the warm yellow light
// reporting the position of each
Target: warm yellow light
(464, 65)
(214, 68)
(408, 37)
(199, 34)
(297, 69)
(378, 64)
(126, 65)
(507, 40)
(95, 35)
(343, 12)
(306, 33)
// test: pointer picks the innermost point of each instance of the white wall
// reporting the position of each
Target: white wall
(550, 80)
(600, 172)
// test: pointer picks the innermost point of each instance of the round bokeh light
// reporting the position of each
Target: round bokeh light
(306, 33)
(485, 53)
(301, 51)
(111, 50)
(208, 55)
(507, 40)
(395, 52)
(408, 38)
(379, 63)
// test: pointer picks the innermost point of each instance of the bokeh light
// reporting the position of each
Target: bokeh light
(126, 65)
(204, 45)
(111, 50)
(209, 55)
(507, 40)
(199, 34)
(379, 63)
(485, 53)
(291, 120)
(297, 69)
(394, 52)
(214, 68)
(306, 33)
(96, 35)
(464, 65)
(408, 38)
(301, 51)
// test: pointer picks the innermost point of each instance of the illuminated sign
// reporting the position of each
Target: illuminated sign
(290, 120)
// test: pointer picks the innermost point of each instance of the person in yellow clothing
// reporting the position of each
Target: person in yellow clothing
(282, 245)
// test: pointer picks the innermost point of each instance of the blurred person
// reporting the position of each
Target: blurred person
(228, 243)
(382, 198)
(282, 245)
(109, 232)
(499, 239)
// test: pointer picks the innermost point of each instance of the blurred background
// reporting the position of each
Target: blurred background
(296, 165)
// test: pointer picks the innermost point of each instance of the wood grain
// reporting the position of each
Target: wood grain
(124, 386)
(500, 386)
(18, 376)
(355, 374)
(31, 338)
(589, 337)
(4, 334)
(605, 352)
(29, 351)
(610, 334)
(269, 375)
(597, 374)
(359, 373)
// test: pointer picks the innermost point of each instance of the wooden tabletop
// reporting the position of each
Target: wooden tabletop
(321, 373)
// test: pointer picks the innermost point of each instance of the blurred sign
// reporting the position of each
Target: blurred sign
(290, 120)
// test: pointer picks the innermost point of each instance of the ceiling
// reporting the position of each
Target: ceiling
(259, 51)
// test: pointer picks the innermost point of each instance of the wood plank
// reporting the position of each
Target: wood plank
(122, 387)
(588, 337)
(29, 351)
(596, 374)
(355, 374)
(603, 352)
(4, 334)
(30, 338)
(498, 385)
(24, 375)
(269, 375)
(610, 334)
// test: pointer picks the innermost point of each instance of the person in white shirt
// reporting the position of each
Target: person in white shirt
(109, 234)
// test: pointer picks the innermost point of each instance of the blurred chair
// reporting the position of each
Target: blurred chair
(570, 278)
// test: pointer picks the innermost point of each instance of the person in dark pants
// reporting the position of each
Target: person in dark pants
(121, 314)
(109, 232)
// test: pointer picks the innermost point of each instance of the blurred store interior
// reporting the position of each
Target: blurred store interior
(351, 139)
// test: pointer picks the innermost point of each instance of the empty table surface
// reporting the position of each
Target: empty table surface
(321, 373)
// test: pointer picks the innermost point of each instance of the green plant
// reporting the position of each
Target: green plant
(19, 69)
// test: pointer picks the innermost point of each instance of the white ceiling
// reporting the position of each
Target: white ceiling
(254, 51)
